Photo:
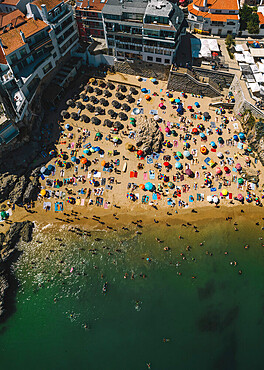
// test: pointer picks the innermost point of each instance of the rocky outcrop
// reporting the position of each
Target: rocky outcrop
(21, 189)
(8, 245)
(149, 136)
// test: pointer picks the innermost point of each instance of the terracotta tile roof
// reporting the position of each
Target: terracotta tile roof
(261, 18)
(10, 2)
(2, 57)
(213, 16)
(50, 4)
(218, 4)
(93, 5)
(12, 39)
(15, 18)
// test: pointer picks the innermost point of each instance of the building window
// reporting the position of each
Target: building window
(47, 68)
(158, 60)
(23, 52)
(150, 58)
(167, 61)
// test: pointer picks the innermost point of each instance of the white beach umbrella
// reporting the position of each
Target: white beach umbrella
(219, 155)
(215, 199)
(209, 198)
(156, 117)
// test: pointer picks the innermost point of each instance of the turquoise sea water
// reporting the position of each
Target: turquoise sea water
(214, 321)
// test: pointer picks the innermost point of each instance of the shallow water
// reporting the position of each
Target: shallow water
(214, 321)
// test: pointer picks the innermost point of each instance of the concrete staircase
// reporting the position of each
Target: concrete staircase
(143, 69)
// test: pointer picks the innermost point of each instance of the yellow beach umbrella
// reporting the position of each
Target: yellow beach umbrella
(224, 192)
(43, 192)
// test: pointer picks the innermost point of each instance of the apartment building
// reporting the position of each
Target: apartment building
(145, 30)
(30, 47)
(215, 17)
(89, 19)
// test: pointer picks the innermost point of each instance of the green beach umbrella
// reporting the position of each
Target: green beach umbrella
(98, 134)
(240, 181)
(3, 215)
(179, 154)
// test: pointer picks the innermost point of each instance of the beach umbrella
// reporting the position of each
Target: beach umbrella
(241, 136)
(130, 98)
(213, 144)
(178, 165)
(215, 199)
(116, 104)
(99, 110)
(153, 80)
(147, 97)
(103, 163)
(84, 161)
(65, 114)
(101, 83)
(210, 198)
(161, 105)
(122, 88)
(197, 104)
(189, 107)
(97, 148)
(94, 99)
(186, 153)
(187, 145)
(179, 154)
(218, 131)
(107, 93)
(98, 91)
(70, 103)
(226, 169)
(220, 140)
(67, 126)
(118, 125)
(247, 159)
(249, 198)
(133, 90)
(206, 115)
(86, 98)
(103, 101)
(43, 169)
(166, 178)
(86, 151)
(144, 90)
(110, 85)
(189, 172)
(74, 115)
(115, 139)
(179, 110)
(140, 152)
(224, 192)
(149, 186)
(200, 126)
(89, 89)
(170, 185)
(73, 159)
(79, 105)
(126, 107)
(108, 123)
(142, 186)
(122, 116)
(240, 197)
(96, 121)
(167, 129)
(219, 155)
(195, 131)
(218, 171)
(85, 118)
(202, 135)
(98, 134)
(82, 95)
(172, 100)
(173, 132)
(51, 167)
(52, 153)
(90, 107)
(177, 101)
(238, 167)
(203, 150)
(129, 146)
(92, 80)
(156, 117)
(112, 113)
(166, 164)
(235, 137)
(240, 181)
(42, 192)
(119, 96)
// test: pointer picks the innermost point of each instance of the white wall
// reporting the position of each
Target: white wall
(96, 60)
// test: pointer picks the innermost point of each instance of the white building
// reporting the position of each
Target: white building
(214, 17)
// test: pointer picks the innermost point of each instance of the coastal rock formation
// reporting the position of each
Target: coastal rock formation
(18, 231)
(149, 136)
(16, 195)
(31, 191)
(7, 184)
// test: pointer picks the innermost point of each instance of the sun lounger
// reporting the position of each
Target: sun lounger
(198, 197)
(108, 187)
(191, 198)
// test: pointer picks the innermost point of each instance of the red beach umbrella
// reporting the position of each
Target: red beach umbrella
(140, 152)
(240, 197)
(218, 171)
(195, 130)
(238, 167)
(166, 164)
(189, 107)
(226, 169)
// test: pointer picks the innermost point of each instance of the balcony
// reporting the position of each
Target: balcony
(45, 41)
(27, 71)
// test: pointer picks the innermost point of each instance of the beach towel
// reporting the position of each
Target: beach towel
(207, 160)
(149, 159)
(82, 202)
(156, 155)
(213, 150)
(198, 197)
(169, 201)
(151, 175)
(230, 195)
(72, 145)
(58, 206)
(240, 145)
(212, 124)
(191, 198)
(78, 202)
(153, 111)
(145, 176)
(106, 205)
(46, 204)
(213, 189)
(154, 196)
(158, 196)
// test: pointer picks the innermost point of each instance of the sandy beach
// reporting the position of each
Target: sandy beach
(91, 172)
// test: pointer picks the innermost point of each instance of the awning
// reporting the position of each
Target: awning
(254, 86)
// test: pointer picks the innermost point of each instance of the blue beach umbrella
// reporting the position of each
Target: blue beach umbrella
(73, 159)
(202, 134)
(177, 101)
(186, 153)
(51, 167)
(235, 137)
(144, 90)
(241, 136)
(149, 186)
(220, 140)
(86, 151)
(187, 145)
(197, 104)
(178, 165)
(67, 126)
(96, 149)
(213, 144)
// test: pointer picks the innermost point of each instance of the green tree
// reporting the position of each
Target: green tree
(229, 41)
(244, 14)
(253, 24)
